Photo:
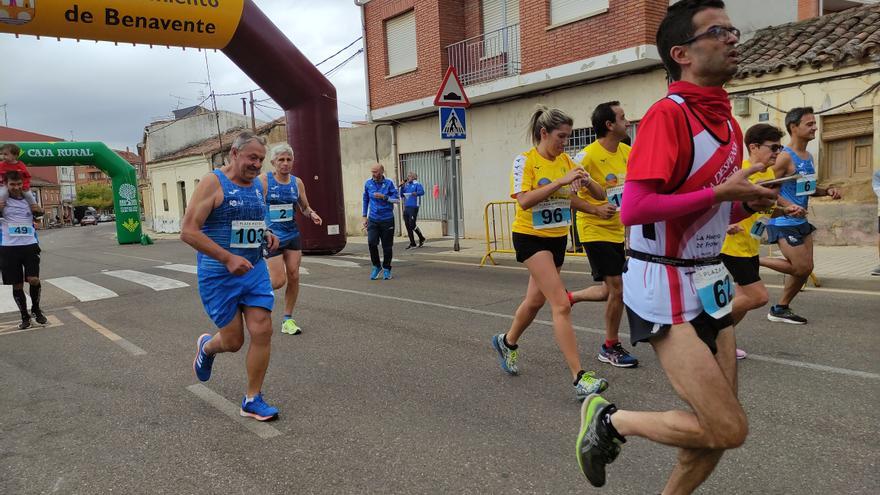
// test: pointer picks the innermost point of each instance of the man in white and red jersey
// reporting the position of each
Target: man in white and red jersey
(684, 186)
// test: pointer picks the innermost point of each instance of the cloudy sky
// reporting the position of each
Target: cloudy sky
(100, 92)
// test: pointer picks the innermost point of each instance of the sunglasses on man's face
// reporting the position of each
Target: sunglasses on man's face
(775, 148)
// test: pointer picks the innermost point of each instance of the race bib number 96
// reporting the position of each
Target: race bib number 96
(247, 233)
(715, 289)
(552, 213)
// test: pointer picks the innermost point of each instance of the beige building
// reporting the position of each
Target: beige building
(173, 178)
(831, 64)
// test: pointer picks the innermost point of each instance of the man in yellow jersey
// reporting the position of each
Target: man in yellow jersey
(743, 241)
(600, 229)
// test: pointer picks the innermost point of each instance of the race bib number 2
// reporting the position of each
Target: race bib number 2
(715, 289)
(20, 230)
(281, 213)
(247, 234)
(551, 213)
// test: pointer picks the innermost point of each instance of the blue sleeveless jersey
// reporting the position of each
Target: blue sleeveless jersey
(225, 223)
(282, 221)
(789, 190)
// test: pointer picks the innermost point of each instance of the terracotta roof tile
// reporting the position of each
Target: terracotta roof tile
(850, 35)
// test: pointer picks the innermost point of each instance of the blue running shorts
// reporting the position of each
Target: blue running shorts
(224, 293)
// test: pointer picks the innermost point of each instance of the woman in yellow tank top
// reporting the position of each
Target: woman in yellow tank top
(544, 182)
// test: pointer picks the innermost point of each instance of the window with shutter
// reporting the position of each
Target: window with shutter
(400, 43)
(562, 11)
(847, 145)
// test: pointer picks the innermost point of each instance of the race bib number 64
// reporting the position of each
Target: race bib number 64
(247, 234)
(715, 289)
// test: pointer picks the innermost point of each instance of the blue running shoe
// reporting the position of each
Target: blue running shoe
(374, 275)
(387, 274)
(203, 362)
(258, 409)
(617, 356)
(506, 356)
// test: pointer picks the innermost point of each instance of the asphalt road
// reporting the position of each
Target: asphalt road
(394, 388)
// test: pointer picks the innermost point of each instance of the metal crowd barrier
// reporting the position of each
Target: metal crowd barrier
(498, 218)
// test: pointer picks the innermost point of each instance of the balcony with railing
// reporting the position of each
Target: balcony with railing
(486, 57)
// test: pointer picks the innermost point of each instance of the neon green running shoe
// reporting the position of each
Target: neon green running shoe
(588, 384)
(290, 327)
(597, 445)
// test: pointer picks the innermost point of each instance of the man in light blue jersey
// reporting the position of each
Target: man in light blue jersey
(794, 234)
(226, 224)
(412, 191)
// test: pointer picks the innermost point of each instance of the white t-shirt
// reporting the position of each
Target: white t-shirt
(17, 224)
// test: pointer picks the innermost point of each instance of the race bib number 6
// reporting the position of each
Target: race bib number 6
(247, 233)
(552, 213)
(806, 185)
(21, 230)
(281, 213)
(715, 289)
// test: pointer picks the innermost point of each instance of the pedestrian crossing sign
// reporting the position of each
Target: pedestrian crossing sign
(452, 123)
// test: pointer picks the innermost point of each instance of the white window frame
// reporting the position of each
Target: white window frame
(401, 44)
(564, 12)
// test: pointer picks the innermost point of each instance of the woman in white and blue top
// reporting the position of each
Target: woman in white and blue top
(285, 193)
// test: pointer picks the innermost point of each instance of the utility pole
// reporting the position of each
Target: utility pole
(244, 106)
(253, 118)
(5, 120)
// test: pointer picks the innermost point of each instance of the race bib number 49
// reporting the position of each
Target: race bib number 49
(21, 230)
(552, 213)
(247, 233)
(715, 289)
(281, 213)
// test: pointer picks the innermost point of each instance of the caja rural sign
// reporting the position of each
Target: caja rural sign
(191, 23)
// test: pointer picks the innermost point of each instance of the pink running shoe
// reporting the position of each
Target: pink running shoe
(740, 354)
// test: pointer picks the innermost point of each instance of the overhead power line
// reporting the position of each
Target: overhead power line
(340, 51)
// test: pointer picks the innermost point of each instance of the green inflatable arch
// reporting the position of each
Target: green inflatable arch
(126, 204)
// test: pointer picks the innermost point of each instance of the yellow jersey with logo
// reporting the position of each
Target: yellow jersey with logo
(742, 244)
(609, 171)
(547, 218)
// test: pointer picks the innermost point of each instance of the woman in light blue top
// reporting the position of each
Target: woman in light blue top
(284, 194)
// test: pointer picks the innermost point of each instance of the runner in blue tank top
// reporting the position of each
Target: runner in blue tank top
(285, 194)
(226, 224)
(794, 235)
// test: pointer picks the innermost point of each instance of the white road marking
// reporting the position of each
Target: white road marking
(136, 257)
(82, 289)
(154, 282)
(769, 359)
(330, 262)
(7, 303)
(11, 327)
(303, 271)
(489, 265)
(116, 339)
(193, 269)
(840, 291)
(230, 409)
(364, 258)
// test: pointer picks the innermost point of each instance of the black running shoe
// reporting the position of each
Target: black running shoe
(25, 323)
(40, 317)
(597, 446)
(785, 315)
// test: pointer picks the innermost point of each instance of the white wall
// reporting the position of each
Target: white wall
(166, 138)
(188, 170)
(497, 133)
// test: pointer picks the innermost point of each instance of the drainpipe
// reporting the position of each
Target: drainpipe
(362, 4)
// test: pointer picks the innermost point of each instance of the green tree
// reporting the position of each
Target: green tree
(98, 196)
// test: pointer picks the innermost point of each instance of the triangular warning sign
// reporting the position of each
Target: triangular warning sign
(451, 92)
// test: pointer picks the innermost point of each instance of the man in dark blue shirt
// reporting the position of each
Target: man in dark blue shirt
(380, 195)
(412, 191)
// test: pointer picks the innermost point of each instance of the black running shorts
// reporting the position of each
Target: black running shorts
(641, 330)
(606, 259)
(526, 245)
(744, 270)
(19, 262)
